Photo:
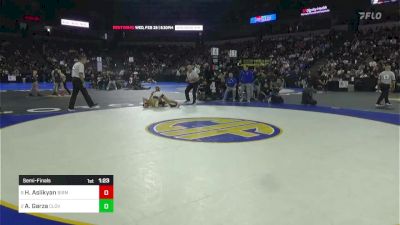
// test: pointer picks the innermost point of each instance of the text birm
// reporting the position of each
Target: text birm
(370, 15)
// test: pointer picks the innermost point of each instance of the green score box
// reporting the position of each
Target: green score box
(106, 205)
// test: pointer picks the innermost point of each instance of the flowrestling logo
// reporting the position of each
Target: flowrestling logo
(370, 15)
(212, 129)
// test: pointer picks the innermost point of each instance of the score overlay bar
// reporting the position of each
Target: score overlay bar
(66, 193)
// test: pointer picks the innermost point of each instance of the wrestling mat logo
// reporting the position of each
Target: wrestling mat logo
(214, 130)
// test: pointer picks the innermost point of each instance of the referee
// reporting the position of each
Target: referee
(78, 79)
(193, 83)
(386, 83)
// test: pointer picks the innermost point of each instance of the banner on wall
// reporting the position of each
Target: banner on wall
(263, 18)
(99, 64)
(188, 27)
(74, 23)
(12, 78)
(233, 53)
(343, 84)
(314, 11)
(214, 51)
(159, 27)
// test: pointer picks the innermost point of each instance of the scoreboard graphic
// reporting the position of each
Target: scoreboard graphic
(66, 194)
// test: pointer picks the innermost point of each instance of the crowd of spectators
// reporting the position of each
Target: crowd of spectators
(286, 60)
(19, 58)
(363, 57)
(285, 56)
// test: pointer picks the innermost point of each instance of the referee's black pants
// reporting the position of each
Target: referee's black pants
(77, 86)
(191, 86)
(65, 87)
(384, 93)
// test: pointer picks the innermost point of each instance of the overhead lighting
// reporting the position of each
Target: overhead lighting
(48, 29)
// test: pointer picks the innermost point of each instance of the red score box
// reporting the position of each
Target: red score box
(106, 191)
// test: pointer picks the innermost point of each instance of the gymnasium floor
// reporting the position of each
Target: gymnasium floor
(213, 163)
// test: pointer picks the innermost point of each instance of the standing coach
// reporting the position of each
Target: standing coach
(78, 79)
(246, 84)
(386, 83)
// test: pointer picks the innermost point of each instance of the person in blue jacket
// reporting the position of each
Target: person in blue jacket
(230, 87)
(246, 83)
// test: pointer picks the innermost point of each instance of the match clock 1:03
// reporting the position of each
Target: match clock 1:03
(104, 180)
